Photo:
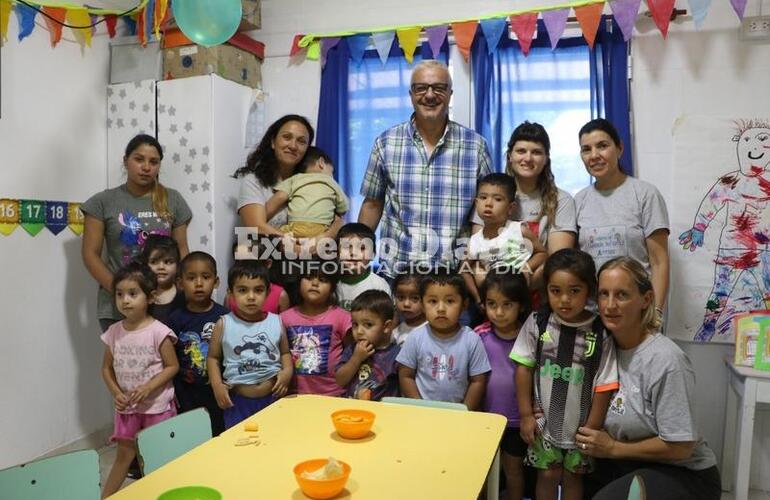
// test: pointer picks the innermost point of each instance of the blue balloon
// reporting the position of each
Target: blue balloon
(208, 22)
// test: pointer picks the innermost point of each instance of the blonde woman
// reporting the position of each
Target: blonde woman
(650, 428)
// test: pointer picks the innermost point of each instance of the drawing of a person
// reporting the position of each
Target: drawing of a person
(741, 274)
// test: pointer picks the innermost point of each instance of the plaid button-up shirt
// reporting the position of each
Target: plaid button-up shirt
(428, 200)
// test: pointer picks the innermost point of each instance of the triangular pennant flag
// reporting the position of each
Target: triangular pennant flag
(149, 16)
(739, 6)
(357, 46)
(295, 48)
(94, 18)
(111, 21)
(80, 17)
(493, 29)
(661, 14)
(589, 16)
(314, 50)
(75, 218)
(408, 39)
(56, 216)
(382, 42)
(26, 18)
(700, 8)
(524, 26)
(5, 14)
(326, 46)
(625, 12)
(141, 33)
(9, 215)
(32, 214)
(464, 34)
(436, 36)
(555, 21)
(54, 18)
(161, 10)
(130, 25)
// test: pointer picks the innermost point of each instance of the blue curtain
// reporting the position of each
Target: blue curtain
(561, 89)
(358, 102)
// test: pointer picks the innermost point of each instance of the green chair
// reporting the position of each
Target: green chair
(72, 476)
(637, 491)
(425, 402)
(167, 440)
(493, 478)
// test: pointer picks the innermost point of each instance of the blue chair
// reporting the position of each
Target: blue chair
(72, 476)
(167, 440)
(493, 477)
(425, 402)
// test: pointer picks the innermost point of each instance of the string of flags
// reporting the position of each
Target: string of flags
(34, 215)
(145, 21)
(522, 24)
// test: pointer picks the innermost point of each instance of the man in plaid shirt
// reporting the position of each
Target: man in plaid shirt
(422, 177)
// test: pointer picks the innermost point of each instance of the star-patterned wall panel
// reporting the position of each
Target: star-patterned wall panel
(185, 131)
(130, 111)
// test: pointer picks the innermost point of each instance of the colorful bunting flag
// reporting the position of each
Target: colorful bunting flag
(25, 16)
(5, 14)
(493, 29)
(149, 16)
(295, 46)
(32, 215)
(464, 34)
(383, 40)
(75, 218)
(130, 25)
(661, 13)
(80, 17)
(9, 215)
(314, 50)
(54, 25)
(739, 6)
(159, 15)
(111, 21)
(141, 32)
(56, 216)
(326, 45)
(700, 9)
(524, 26)
(625, 12)
(555, 21)
(357, 46)
(408, 39)
(436, 36)
(589, 16)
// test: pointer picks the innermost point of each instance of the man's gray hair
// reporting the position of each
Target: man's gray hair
(432, 64)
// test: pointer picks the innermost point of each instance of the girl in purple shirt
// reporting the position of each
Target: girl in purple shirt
(506, 300)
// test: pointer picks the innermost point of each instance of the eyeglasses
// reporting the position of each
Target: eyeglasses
(441, 89)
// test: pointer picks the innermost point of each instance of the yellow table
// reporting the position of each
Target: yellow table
(414, 453)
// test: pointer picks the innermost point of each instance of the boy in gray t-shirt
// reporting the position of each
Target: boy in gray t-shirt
(443, 361)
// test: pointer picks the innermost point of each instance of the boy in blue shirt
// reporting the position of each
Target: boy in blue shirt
(193, 325)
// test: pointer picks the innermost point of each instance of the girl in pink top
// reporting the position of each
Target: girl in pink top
(139, 365)
(316, 328)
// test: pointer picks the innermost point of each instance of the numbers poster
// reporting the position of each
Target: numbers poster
(34, 215)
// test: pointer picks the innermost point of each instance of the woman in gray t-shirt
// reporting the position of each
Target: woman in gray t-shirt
(123, 217)
(650, 429)
(620, 215)
(275, 158)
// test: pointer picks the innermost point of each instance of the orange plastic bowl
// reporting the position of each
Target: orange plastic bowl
(353, 424)
(327, 488)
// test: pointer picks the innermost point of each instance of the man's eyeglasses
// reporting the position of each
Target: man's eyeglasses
(441, 89)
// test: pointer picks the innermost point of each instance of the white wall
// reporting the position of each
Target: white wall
(705, 72)
(52, 146)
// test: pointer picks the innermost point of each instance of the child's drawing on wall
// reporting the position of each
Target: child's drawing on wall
(742, 261)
